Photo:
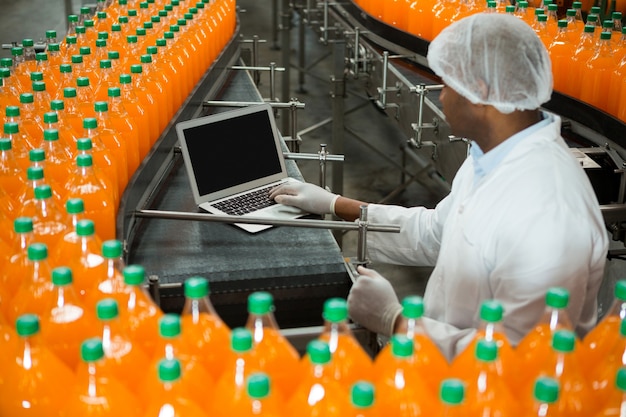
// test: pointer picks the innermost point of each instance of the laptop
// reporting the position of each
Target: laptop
(233, 159)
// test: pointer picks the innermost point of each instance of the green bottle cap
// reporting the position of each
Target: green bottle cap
(61, 276)
(51, 134)
(134, 275)
(577, 5)
(73, 18)
(452, 391)
(169, 370)
(90, 123)
(34, 173)
(616, 15)
(43, 191)
(125, 79)
(84, 50)
(114, 92)
(69, 92)
(620, 379)
(542, 18)
(107, 309)
(84, 160)
(36, 76)
(141, 32)
(155, 19)
(39, 86)
(50, 117)
(131, 39)
(318, 351)
(101, 106)
(362, 394)
(486, 350)
(161, 42)
(50, 34)
(84, 144)
(241, 340)
(113, 55)
(77, 59)
(75, 206)
(557, 297)
(27, 98)
(5, 144)
(105, 63)
(71, 39)
(54, 47)
(335, 310)
(563, 341)
(56, 105)
(85, 227)
(553, 7)
(11, 128)
(607, 24)
(605, 36)
(23, 225)
(152, 50)
(546, 390)
(260, 302)
(196, 287)
(12, 111)
(146, 59)
(258, 385)
(620, 290)
(82, 81)
(36, 155)
(401, 346)
(101, 43)
(136, 69)
(562, 23)
(112, 249)
(413, 307)
(169, 326)
(27, 325)
(41, 56)
(91, 350)
(175, 28)
(147, 25)
(37, 252)
(28, 43)
(89, 23)
(509, 9)
(491, 311)
(589, 29)
(570, 12)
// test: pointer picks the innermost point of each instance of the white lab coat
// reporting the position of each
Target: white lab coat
(531, 224)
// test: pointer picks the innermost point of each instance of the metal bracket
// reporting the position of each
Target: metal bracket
(358, 63)
(468, 143)
(325, 29)
(382, 91)
(422, 90)
(272, 70)
(293, 141)
(255, 41)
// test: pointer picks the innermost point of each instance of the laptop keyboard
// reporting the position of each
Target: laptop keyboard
(246, 203)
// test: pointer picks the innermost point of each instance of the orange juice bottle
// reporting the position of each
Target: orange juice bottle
(492, 329)
(595, 76)
(80, 250)
(66, 79)
(73, 115)
(126, 128)
(104, 159)
(198, 383)
(203, 329)
(11, 177)
(400, 390)
(26, 198)
(138, 114)
(41, 95)
(36, 381)
(536, 345)
(601, 339)
(242, 361)
(67, 137)
(395, 13)
(107, 79)
(350, 362)
(141, 313)
(561, 51)
(182, 55)
(171, 398)
(576, 397)
(59, 165)
(362, 400)
(617, 401)
(84, 146)
(429, 361)
(111, 283)
(487, 393)
(116, 64)
(21, 68)
(114, 141)
(191, 43)
(117, 38)
(150, 103)
(31, 122)
(11, 276)
(169, 64)
(452, 398)
(276, 355)
(574, 26)
(20, 142)
(69, 47)
(11, 88)
(317, 393)
(123, 357)
(155, 86)
(96, 392)
(129, 55)
(545, 398)
(85, 95)
(99, 204)
(49, 220)
(66, 322)
(585, 48)
(160, 72)
(36, 290)
(260, 399)
(89, 68)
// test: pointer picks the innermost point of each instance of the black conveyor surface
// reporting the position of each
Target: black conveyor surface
(300, 267)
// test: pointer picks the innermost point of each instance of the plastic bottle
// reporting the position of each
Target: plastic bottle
(168, 64)
(362, 400)
(85, 96)
(41, 94)
(585, 48)
(111, 283)
(34, 178)
(66, 322)
(317, 393)
(141, 313)
(11, 88)
(536, 345)
(20, 142)
(492, 329)
(49, 220)
(36, 381)
(69, 48)
(401, 391)
(182, 56)
(350, 362)
(123, 357)
(126, 128)
(114, 142)
(73, 115)
(192, 45)
(149, 101)
(242, 361)
(113, 169)
(11, 177)
(171, 398)
(145, 127)
(54, 55)
(11, 275)
(155, 87)
(203, 330)
(487, 393)
(429, 361)
(617, 401)
(596, 75)
(576, 398)
(66, 79)
(452, 398)
(277, 357)
(561, 51)
(97, 393)
(101, 157)
(107, 79)
(21, 69)
(196, 380)
(545, 398)
(99, 204)
(260, 399)
(59, 165)
(31, 122)
(67, 137)
(395, 13)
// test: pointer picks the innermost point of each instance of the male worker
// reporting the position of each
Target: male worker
(521, 216)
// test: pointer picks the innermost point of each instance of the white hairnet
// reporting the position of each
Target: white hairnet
(493, 59)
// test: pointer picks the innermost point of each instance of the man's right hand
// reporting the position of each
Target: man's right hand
(308, 197)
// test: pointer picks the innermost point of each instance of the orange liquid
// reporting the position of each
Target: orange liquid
(561, 52)
(317, 394)
(113, 141)
(350, 363)
(16, 267)
(127, 131)
(59, 163)
(11, 174)
(35, 292)
(105, 163)
(445, 15)
(82, 255)
(208, 338)
(395, 13)
(142, 318)
(140, 119)
(172, 399)
(97, 393)
(596, 80)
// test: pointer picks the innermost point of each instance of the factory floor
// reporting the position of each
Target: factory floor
(372, 141)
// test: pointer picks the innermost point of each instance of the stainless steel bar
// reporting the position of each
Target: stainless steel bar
(249, 103)
(322, 155)
(313, 156)
(363, 227)
(312, 224)
(255, 68)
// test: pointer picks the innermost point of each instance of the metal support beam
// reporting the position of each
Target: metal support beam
(286, 51)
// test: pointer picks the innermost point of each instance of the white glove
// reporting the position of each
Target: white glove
(373, 303)
(308, 197)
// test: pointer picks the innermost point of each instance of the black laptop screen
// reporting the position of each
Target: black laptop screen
(233, 151)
